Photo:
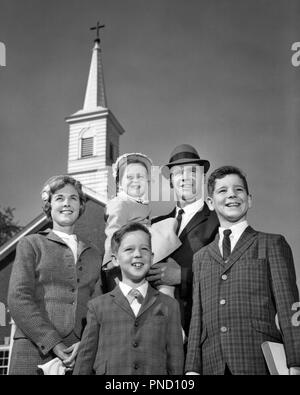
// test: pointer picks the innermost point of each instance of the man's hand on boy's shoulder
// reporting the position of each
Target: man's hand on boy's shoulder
(167, 273)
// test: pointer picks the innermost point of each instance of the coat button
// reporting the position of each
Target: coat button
(78, 280)
(80, 268)
(224, 329)
(222, 301)
(136, 366)
(136, 323)
(134, 344)
(224, 277)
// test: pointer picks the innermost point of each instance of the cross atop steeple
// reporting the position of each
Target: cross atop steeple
(94, 132)
(95, 96)
(97, 27)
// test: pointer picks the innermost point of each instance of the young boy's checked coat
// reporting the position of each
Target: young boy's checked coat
(116, 342)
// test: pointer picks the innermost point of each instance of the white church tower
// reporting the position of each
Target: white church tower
(94, 133)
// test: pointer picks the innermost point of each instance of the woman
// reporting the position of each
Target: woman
(53, 277)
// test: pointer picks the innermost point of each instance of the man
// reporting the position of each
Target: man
(197, 225)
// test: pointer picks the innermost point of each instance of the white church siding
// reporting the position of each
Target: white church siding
(96, 181)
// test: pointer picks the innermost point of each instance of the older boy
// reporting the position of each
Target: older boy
(134, 329)
(241, 280)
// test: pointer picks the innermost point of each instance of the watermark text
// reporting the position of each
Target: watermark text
(295, 59)
(2, 314)
(296, 316)
(2, 55)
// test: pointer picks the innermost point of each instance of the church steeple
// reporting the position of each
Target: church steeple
(94, 132)
(95, 96)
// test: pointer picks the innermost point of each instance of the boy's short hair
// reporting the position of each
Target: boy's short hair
(128, 228)
(58, 182)
(222, 172)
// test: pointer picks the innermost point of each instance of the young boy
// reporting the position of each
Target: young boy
(134, 329)
(241, 280)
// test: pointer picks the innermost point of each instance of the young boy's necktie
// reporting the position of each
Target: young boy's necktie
(134, 294)
(226, 245)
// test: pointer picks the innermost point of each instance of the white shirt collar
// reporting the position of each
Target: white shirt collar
(70, 240)
(192, 208)
(64, 235)
(125, 288)
(237, 231)
(189, 211)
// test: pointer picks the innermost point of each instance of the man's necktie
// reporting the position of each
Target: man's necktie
(179, 219)
(226, 245)
(134, 294)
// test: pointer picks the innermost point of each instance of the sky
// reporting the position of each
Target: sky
(216, 74)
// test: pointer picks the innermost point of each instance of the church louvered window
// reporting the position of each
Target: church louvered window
(87, 147)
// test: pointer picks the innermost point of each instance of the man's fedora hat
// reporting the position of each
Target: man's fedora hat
(185, 154)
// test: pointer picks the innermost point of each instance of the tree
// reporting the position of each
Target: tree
(8, 227)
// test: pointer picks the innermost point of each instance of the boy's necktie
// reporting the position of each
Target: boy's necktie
(134, 294)
(179, 219)
(226, 245)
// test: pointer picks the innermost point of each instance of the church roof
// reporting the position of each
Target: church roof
(41, 222)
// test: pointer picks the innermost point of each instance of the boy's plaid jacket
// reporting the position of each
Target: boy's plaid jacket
(116, 342)
(235, 303)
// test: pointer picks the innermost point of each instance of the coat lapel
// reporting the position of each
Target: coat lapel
(214, 250)
(199, 217)
(121, 301)
(244, 242)
(53, 237)
(82, 246)
(150, 298)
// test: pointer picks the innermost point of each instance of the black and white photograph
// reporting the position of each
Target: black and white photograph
(149, 201)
